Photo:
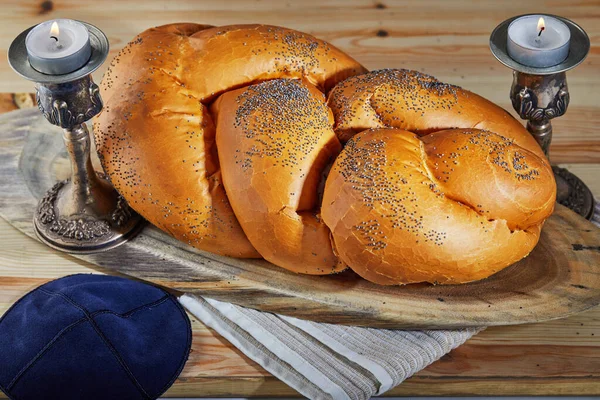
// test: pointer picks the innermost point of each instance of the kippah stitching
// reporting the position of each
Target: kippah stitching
(104, 339)
(134, 310)
(3, 318)
(43, 350)
(188, 346)
(88, 317)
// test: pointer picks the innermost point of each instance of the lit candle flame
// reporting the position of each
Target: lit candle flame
(54, 31)
(541, 25)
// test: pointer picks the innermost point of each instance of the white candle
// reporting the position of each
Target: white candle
(538, 41)
(58, 47)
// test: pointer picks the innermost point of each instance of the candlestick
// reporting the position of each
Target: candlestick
(538, 40)
(539, 94)
(84, 214)
(58, 47)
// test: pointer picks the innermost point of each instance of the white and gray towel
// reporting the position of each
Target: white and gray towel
(326, 361)
(596, 216)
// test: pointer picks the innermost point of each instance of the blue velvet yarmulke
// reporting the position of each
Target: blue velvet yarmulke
(93, 337)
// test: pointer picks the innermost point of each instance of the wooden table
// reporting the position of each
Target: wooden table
(448, 39)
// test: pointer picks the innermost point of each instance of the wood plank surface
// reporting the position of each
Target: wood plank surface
(447, 39)
(553, 358)
(560, 277)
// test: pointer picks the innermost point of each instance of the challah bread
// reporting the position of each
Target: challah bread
(274, 140)
(419, 103)
(437, 205)
(223, 137)
(497, 178)
(155, 136)
(395, 218)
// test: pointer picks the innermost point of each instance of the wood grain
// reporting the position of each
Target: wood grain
(512, 360)
(557, 357)
(447, 39)
(560, 277)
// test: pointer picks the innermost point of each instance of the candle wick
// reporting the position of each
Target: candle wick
(58, 44)
(541, 30)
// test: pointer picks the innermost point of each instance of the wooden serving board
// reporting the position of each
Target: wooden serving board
(560, 277)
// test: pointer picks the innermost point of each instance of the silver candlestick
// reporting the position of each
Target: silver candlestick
(84, 214)
(540, 94)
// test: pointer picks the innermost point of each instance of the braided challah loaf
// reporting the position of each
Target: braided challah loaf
(156, 135)
(223, 137)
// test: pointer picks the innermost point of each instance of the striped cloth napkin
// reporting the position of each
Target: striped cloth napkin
(326, 361)
(596, 216)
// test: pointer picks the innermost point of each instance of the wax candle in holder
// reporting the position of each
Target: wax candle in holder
(58, 47)
(540, 49)
(538, 41)
(84, 214)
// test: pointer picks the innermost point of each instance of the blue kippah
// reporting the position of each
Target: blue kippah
(93, 337)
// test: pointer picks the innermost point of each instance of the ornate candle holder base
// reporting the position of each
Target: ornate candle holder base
(540, 94)
(101, 222)
(571, 192)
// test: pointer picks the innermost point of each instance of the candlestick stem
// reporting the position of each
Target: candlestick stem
(85, 213)
(77, 143)
(542, 132)
(86, 193)
(538, 99)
